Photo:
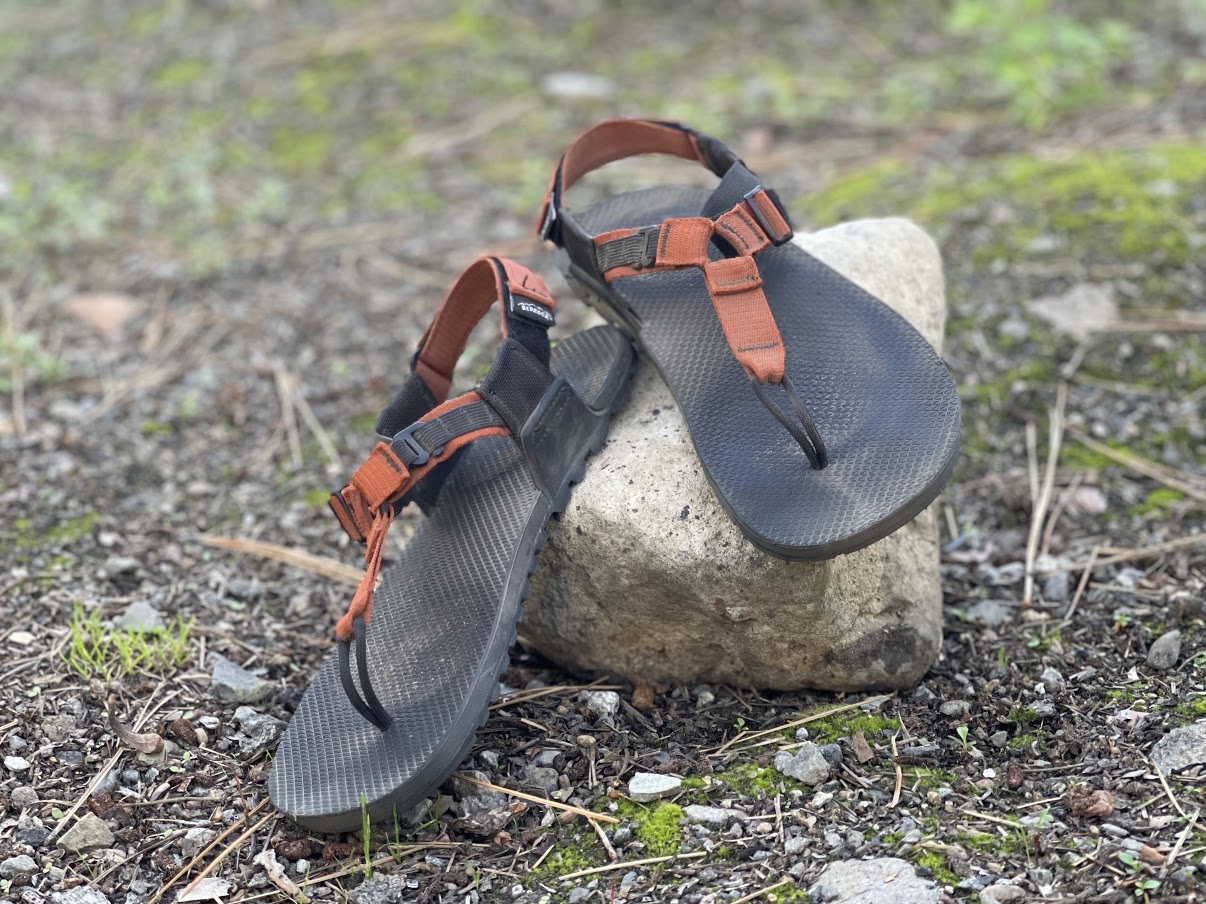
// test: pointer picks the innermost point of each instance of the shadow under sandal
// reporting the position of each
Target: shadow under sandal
(394, 709)
(822, 419)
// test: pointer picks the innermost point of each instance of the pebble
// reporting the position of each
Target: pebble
(1043, 709)
(380, 889)
(833, 839)
(647, 786)
(807, 765)
(210, 723)
(577, 895)
(16, 742)
(801, 733)
(90, 832)
(24, 797)
(246, 589)
(1056, 589)
(925, 696)
(1181, 748)
(232, 683)
(70, 758)
(16, 763)
(544, 778)
(22, 864)
(795, 845)
(81, 894)
(490, 758)
(713, 816)
(194, 840)
(912, 837)
(260, 729)
(131, 776)
(141, 617)
(60, 728)
(881, 879)
(1053, 681)
(603, 704)
(1165, 651)
(547, 757)
(33, 833)
(999, 739)
(955, 708)
(832, 754)
(1114, 831)
(990, 613)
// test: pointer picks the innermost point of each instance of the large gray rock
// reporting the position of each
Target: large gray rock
(874, 882)
(646, 574)
(1181, 748)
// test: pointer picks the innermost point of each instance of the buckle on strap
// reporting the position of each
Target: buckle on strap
(637, 250)
(776, 238)
(408, 448)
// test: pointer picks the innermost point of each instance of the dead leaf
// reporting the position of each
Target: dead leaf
(276, 873)
(103, 312)
(208, 889)
(644, 693)
(1083, 801)
(862, 750)
(1150, 855)
(1084, 309)
(143, 742)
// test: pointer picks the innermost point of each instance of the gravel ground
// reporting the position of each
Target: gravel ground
(223, 224)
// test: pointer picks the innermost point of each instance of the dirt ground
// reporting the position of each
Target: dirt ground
(222, 227)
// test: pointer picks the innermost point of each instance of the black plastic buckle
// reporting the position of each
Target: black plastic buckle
(408, 441)
(775, 240)
(648, 236)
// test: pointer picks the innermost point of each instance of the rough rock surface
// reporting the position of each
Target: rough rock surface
(232, 683)
(1165, 651)
(807, 764)
(647, 786)
(646, 574)
(90, 832)
(873, 882)
(1181, 748)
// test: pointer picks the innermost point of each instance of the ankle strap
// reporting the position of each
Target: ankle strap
(619, 138)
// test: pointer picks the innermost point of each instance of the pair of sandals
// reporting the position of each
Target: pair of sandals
(822, 419)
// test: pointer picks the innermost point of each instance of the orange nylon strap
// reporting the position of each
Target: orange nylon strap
(464, 305)
(365, 507)
(614, 140)
(736, 289)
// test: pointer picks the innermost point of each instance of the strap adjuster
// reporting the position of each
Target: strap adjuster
(406, 440)
(775, 238)
(648, 247)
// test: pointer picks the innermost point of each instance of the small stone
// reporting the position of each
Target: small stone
(801, 733)
(90, 832)
(490, 758)
(246, 589)
(60, 728)
(647, 786)
(795, 845)
(1053, 681)
(1056, 589)
(141, 617)
(881, 879)
(541, 777)
(603, 704)
(170, 749)
(24, 797)
(990, 613)
(1181, 748)
(72, 758)
(16, 743)
(578, 895)
(34, 834)
(210, 723)
(21, 638)
(999, 739)
(21, 865)
(194, 840)
(16, 763)
(81, 894)
(1043, 709)
(1114, 831)
(131, 776)
(1165, 651)
(259, 730)
(115, 565)
(832, 754)
(712, 816)
(954, 708)
(807, 765)
(381, 889)
(232, 683)
(547, 757)
(925, 696)
(912, 837)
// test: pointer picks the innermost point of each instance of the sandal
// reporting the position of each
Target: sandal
(394, 709)
(822, 419)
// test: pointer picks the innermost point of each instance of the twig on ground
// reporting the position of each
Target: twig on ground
(222, 855)
(556, 805)
(184, 870)
(1041, 500)
(1139, 552)
(527, 696)
(315, 427)
(899, 774)
(997, 819)
(1181, 481)
(1081, 584)
(286, 392)
(298, 558)
(758, 894)
(1172, 855)
(1167, 789)
(627, 863)
(611, 851)
(1057, 512)
(750, 735)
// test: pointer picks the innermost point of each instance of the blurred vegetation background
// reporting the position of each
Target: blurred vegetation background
(146, 146)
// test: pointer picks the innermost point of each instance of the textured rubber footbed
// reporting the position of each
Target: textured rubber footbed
(444, 617)
(882, 399)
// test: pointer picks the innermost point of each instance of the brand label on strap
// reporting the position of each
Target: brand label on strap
(531, 310)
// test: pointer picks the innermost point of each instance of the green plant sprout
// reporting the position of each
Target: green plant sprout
(95, 650)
